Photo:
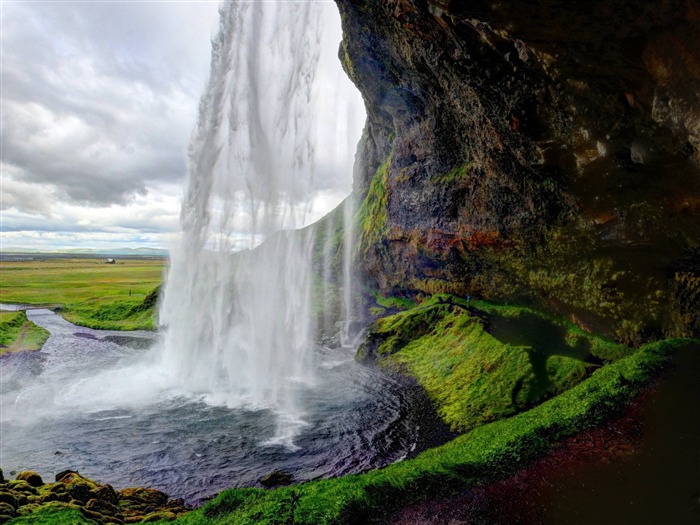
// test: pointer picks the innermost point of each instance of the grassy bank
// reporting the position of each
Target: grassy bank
(88, 291)
(17, 333)
(484, 454)
(481, 455)
(480, 362)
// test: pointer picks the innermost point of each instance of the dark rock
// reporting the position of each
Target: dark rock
(81, 493)
(142, 497)
(31, 477)
(63, 474)
(276, 478)
(19, 485)
(108, 494)
(8, 498)
(103, 507)
(521, 150)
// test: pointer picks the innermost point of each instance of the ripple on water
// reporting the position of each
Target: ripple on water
(61, 410)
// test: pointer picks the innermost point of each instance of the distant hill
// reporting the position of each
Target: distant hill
(131, 252)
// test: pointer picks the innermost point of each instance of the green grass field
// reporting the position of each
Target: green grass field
(17, 333)
(88, 291)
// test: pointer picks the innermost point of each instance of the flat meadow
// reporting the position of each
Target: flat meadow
(87, 291)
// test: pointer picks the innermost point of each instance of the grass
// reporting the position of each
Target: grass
(483, 454)
(17, 333)
(480, 362)
(486, 453)
(88, 291)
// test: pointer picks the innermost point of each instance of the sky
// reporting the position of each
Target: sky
(98, 103)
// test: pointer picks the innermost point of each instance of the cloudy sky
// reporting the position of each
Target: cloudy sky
(98, 103)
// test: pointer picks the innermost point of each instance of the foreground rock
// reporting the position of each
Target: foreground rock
(100, 503)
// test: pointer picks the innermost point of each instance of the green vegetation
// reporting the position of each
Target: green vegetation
(481, 362)
(17, 333)
(456, 174)
(54, 513)
(89, 292)
(371, 219)
(485, 453)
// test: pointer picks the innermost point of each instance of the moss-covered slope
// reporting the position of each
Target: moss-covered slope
(480, 362)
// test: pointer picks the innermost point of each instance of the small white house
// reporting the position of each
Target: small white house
(110, 261)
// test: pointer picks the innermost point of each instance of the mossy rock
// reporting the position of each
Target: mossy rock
(276, 478)
(142, 496)
(72, 477)
(159, 516)
(30, 477)
(7, 509)
(9, 498)
(19, 485)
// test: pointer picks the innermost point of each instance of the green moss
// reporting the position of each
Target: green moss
(372, 217)
(398, 303)
(486, 453)
(54, 513)
(456, 174)
(480, 362)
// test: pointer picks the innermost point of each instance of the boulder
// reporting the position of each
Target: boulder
(31, 477)
(19, 485)
(276, 478)
(7, 509)
(9, 498)
(142, 496)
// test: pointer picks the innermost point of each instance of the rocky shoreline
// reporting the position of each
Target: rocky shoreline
(98, 503)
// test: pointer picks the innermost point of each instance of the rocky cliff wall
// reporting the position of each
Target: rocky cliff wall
(536, 150)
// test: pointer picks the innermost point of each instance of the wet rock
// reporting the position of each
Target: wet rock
(2, 476)
(276, 478)
(7, 509)
(103, 507)
(81, 492)
(58, 488)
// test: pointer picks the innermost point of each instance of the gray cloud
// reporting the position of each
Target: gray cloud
(98, 99)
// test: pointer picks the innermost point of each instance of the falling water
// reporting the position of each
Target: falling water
(238, 327)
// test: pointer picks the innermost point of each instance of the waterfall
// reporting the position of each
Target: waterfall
(237, 325)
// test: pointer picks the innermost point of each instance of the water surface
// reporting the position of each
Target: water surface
(90, 400)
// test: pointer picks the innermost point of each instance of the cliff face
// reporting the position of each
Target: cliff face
(542, 150)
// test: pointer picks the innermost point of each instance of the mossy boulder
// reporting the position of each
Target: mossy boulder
(19, 485)
(143, 496)
(81, 500)
(30, 477)
(9, 498)
(276, 478)
(159, 516)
